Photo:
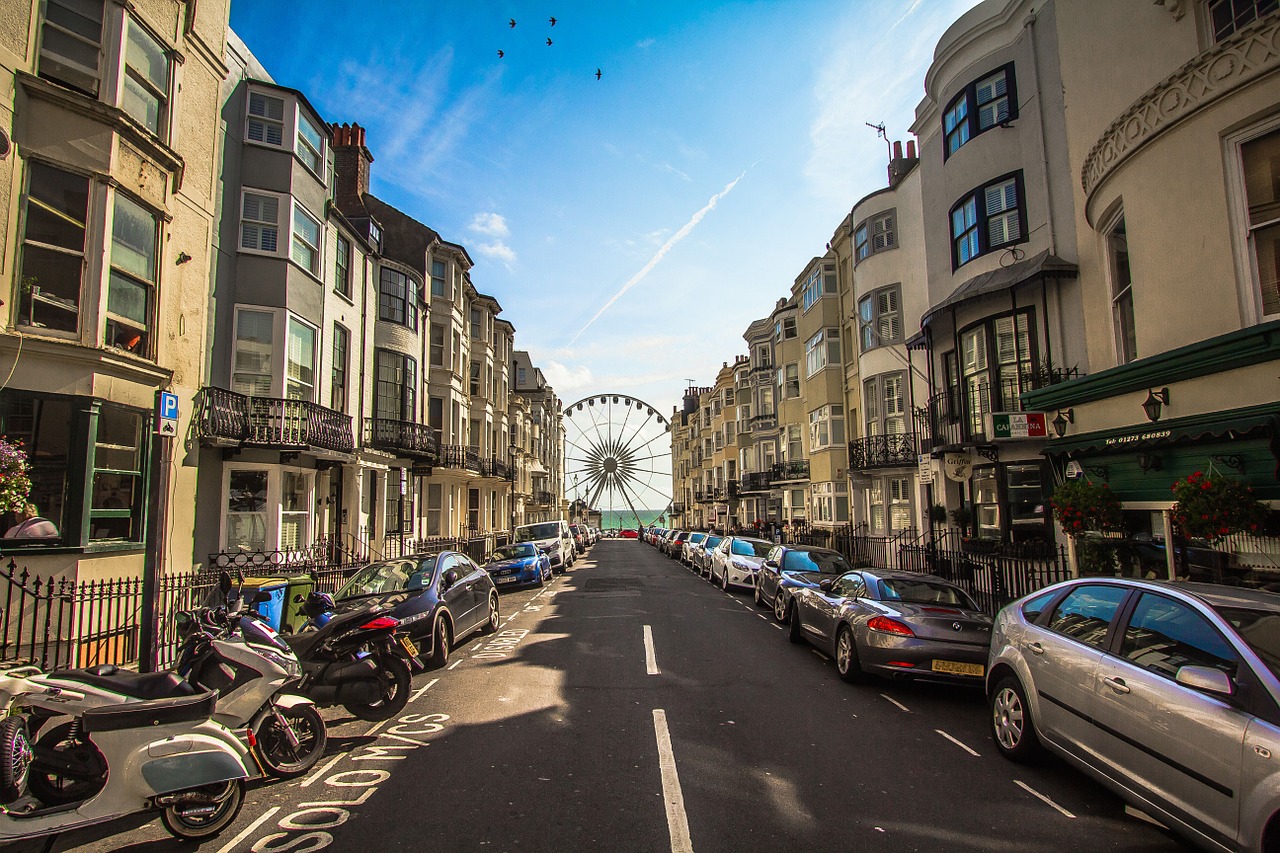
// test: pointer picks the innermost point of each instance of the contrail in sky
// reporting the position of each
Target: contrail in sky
(666, 247)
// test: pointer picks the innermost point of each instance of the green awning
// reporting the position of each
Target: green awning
(1237, 423)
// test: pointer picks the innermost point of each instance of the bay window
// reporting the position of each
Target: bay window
(132, 282)
(306, 240)
(309, 146)
(251, 372)
(989, 218)
(821, 350)
(146, 80)
(53, 248)
(300, 367)
(295, 510)
(265, 122)
(341, 350)
(826, 427)
(437, 279)
(880, 317)
(1260, 162)
(71, 43)
(884, 404)
(988, 102)
(260, 222)
(996, 355)
(397, 298)
(395, 396)
(246, 515)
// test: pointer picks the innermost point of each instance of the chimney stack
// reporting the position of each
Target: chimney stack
(900, 166)
(352, 162)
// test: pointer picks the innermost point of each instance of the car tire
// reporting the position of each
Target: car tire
(848, 664)
(780, 611)
(490, 625)
(795, 633)
(758, 597)
(724, 580)
(440, 643)
(1011, 725)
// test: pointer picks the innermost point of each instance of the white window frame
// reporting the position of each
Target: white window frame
(162, 93)
(822, 350)
(265, 119)
(305, 150)
(276, 361)
(826, 427)
(316, 347)
(1244, 231)
(296, 238)
(283, 202)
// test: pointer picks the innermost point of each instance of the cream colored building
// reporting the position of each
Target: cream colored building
(108, 193)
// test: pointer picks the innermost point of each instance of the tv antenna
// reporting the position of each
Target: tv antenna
(883, 134)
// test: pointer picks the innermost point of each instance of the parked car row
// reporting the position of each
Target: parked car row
(1167, 693)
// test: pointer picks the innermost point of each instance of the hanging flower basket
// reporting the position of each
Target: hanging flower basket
(15, 479)
(1081, 506)
(1212, 507)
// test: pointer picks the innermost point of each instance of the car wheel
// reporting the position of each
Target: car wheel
(440, 644)
(779, 607)
(491, 624)
(724, 580)
(758, 597)
(796, 634)
(847, 662)
(1011, 723)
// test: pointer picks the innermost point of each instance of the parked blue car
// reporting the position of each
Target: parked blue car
(519, 564)
(789, 567)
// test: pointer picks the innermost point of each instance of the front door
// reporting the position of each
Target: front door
(335, 507)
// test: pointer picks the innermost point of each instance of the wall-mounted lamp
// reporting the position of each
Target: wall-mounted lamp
(1149, 461)
(1060, 421)
(1153, 403)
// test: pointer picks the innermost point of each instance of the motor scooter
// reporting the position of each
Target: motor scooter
(149, 736)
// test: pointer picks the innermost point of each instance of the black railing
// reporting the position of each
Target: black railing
(755, 481)
(460, 456)
(403, 438)
(941, 422)
(883, 451)
(495, 468)
(543, 497)
(796, 469)
(272, 422)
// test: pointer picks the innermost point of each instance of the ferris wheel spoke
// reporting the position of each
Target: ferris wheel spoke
(639, 447)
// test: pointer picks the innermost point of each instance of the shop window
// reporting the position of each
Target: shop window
(1026, 501)
(117, 495)
(246, 510)
(986, 502)
(53, 246)
(47, 429)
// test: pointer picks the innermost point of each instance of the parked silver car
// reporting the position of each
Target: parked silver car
(735, 561)
(894, 624)
(689, 547)
(1169, 694)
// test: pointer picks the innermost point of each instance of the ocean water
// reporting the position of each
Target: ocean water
(626, 518)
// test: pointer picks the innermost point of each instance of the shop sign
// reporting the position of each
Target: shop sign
(1019, 425)
(957, 465)
(926, 469)
(1135, 437)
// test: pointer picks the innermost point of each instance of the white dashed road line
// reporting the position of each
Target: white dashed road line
(673, 797)
(956, 742)
(417, 694)
(893, 701)
(650, 660)
(1033, 792)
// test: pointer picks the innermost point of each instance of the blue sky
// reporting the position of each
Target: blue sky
(631, 226)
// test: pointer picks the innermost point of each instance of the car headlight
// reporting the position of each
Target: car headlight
(554, 549)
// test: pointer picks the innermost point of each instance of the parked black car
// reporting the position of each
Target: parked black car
(439, 598)
(790, 566)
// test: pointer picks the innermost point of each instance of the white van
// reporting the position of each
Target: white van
(552, 538)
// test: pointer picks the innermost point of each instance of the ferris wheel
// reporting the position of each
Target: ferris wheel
(618, 456)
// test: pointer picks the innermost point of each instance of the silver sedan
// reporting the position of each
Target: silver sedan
(894, 624)
(735, 561)
(1168, 694)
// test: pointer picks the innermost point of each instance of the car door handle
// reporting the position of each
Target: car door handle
(1036, 648)
(1116, 684)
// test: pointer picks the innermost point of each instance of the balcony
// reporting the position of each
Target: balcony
(226, 418)
(495, 469)
(543, 498)
(785, 472)
(402, 438)
(764, 422)
(894, 450)
(754, 481)
(460, 457)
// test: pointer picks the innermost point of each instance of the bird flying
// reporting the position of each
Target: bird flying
(597, 73)
(548, 42)
(512, 23)
(553, 22)
(501, 54)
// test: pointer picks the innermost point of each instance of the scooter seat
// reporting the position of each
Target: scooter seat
(139, 685)
(157, 712)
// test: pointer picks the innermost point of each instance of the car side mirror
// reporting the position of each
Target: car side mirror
(771, 564)
(1206, 679)
(826, 584)
(450, 578)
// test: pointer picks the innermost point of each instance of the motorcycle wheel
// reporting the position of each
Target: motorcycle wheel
(15, 759)
(394, 672)
(183, 821)
(62, 744)
(278, 756)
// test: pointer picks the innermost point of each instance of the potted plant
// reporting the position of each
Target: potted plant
(1212, 507)
(1082, 508)
(15, 478)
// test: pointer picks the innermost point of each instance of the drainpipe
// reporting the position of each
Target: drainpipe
(1030, 29)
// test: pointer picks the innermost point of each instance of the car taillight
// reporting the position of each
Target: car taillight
(885, 625)
(380, 623)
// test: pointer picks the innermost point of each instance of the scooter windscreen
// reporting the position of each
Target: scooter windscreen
(260, 632)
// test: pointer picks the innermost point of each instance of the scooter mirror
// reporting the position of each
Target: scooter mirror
(224, 582)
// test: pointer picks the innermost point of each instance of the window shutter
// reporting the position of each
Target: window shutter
(266, 119)
(883, 233)
(260, 229)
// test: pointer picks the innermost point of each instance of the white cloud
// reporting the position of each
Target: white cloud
(566, 379)
(497, 250)
(493, 224)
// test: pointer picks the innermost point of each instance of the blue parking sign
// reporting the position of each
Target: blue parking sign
(168, 405)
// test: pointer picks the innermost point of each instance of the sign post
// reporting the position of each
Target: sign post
(166, 428)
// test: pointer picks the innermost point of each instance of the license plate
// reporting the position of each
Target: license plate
(409, 645)
(958, 668)
(508, 580)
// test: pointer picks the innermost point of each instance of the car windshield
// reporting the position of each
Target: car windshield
(546, 530)
(1260, 629)
(751, 548)
(514, 552)
(391, 576)
(816, 561)
(924, 592)
(695, 538)
(713, 541)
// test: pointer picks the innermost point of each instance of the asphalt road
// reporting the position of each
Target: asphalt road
(631, 706)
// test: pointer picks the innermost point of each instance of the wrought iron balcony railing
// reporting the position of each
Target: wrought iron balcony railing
(401, 437)
(796, 469)
(495, 468)
(895, 449)
(543, 498)
(272, 422)
(755, 481)
(460, 456)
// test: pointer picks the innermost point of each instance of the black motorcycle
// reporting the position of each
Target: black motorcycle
(353, 659)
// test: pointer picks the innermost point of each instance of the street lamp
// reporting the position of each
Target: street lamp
(511, 495)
